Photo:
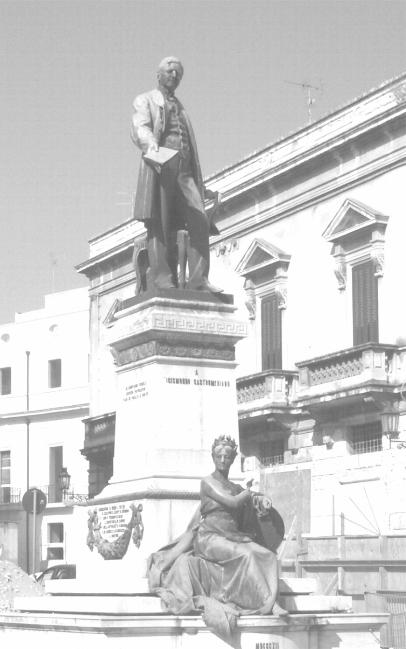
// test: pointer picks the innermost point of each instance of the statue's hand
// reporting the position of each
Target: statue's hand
(153, 147)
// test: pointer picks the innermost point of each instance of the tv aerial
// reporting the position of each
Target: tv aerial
(311, 99)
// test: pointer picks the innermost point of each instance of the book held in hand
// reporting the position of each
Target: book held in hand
(159, 159)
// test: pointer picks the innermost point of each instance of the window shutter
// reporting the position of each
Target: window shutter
(365, 303)
(55, 467)
(271, 332)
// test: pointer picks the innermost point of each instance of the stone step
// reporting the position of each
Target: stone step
(316, 603)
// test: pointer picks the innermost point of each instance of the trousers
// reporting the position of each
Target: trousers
(178, 205)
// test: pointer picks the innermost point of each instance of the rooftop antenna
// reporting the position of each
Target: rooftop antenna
(310, 97)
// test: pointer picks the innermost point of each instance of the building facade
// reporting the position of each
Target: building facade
(312, 233)
(44, 399)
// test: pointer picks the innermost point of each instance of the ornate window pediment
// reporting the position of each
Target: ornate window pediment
(264, 267)
(353, 217)
(357, 232)
(261, 262)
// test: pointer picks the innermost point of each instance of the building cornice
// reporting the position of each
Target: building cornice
(44, 413)
(310, 197)
(347, 122)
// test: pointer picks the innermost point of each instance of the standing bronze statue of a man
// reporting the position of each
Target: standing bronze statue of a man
(174, 198)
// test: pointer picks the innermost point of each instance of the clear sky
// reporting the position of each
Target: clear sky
(69, 70)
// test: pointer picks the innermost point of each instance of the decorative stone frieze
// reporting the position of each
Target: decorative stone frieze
(168, 348)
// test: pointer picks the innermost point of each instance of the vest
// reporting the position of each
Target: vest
(176, 135)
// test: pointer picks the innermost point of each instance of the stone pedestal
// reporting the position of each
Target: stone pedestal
(175, 357)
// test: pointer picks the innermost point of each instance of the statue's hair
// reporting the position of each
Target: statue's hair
(170, 59)
(224, 440)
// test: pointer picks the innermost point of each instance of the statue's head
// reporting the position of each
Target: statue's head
(223, 452)
(170, 73)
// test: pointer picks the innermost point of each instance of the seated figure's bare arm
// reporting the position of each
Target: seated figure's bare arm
(213, 489)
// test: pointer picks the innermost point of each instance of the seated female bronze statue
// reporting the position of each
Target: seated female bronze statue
(216, 565)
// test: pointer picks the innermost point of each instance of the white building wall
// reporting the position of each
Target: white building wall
(318, 318)
(59, 330)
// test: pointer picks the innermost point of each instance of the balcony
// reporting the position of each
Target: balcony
(372, 371)
(57, 496)
(10, 495)
(99, 433)
(268, 395)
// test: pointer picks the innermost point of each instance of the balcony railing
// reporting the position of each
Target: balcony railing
(272, 387)
(271, 460)
(372, 445)
(55, 495)
(10, 495)
(350, 368)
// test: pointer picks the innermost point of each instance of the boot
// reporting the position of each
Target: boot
(198, 272)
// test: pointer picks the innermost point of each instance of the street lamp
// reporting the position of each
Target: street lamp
(390, 421)
(390, 424)
(64, 481)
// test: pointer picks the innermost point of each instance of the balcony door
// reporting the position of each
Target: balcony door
(365, 303)
(271, 333)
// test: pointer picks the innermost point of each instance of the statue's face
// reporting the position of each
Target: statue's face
(170, 75)
(223, 457)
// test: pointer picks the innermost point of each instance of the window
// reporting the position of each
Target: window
(55, 373)
(357, 233)
(366, 438)
(271, 333)
(5, 489)
(272, 452)
(265, 269)
(55, 467)
(365, 303)
(5, 380)
(55, 545)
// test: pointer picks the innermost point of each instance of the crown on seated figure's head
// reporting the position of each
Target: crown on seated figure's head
(225, 440)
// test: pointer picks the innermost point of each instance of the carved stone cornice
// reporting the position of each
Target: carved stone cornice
(180, 327)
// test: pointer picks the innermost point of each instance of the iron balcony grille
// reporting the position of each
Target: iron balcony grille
(272, 460)
(366, 438)
(9, 495)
